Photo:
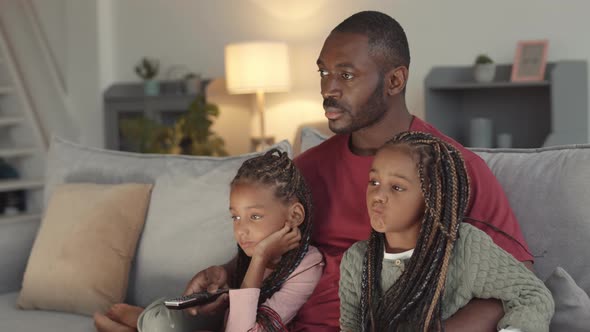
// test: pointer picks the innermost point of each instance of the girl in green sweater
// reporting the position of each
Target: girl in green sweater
(422, 263)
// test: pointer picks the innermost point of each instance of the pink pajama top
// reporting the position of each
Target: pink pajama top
(243, 303)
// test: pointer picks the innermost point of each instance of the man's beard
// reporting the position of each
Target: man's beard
(370, 113)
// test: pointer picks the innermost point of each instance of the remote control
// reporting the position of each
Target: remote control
(195, 299)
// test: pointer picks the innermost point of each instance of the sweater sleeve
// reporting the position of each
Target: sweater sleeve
(243, 303)
(491, 272)
(350, 287)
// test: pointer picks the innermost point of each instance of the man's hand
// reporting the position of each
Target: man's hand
(277, 244)
(478, 315)
(210, 279)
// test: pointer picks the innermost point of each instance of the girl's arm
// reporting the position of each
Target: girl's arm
(493, 273)
(349, 289)
(285, 302)
(255, 274)
(268, 251)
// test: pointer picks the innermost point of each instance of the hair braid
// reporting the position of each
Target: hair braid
(371, 279)
(416, 297)
(277, 170)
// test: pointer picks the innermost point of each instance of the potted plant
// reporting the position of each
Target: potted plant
(192, 84)
(147, 69)
(191, 133)
(141, 134)
(484, 69)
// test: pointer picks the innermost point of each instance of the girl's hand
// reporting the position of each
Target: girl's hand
(269, 251)
(277, 244)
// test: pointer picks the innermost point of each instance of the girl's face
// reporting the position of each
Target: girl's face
(256, 214)
(394, 197)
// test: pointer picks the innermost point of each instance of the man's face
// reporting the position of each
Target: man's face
(351, 83)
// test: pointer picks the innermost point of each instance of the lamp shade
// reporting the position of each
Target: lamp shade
(257, 67)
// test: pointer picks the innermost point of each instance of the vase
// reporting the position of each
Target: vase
(484, 73)
(151, 88)
(504, 141)
(480, 133)
(193, 85)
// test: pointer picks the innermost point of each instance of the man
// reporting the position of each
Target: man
(363, 67)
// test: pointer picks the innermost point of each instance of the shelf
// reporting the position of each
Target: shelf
(11, 185)
(23, 217)
(13, 153)
(490, 85)
(5, 90)
(550, 112)
(10, 120)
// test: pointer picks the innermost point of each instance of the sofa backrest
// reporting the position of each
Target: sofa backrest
(188, 226)
(549, 191)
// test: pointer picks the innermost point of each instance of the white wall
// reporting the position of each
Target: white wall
(53, 20)
(47, 100)
(83, 69)
(194, 33)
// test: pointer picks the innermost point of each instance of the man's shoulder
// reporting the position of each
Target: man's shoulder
(488, 201)
(474, 163)
(479, 172)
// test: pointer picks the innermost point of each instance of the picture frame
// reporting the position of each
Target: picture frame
(530, 61)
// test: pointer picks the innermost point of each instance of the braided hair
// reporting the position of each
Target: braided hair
(277, 170)
(415, 299)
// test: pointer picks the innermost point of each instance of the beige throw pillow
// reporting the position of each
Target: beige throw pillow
(81, 257)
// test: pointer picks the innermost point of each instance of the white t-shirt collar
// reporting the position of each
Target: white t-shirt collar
(400, 255)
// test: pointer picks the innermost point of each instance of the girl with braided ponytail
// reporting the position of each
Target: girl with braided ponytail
(422, 263)
(276, 269)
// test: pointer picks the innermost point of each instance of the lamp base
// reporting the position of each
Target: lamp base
(260, 144)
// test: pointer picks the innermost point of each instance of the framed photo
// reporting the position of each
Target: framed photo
(530, 61)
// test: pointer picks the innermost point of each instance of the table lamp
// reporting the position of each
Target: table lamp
(257, 67)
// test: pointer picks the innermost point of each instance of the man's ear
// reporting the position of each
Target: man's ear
(295, 215)
(396, 80)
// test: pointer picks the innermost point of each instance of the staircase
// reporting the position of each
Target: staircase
(23, 144)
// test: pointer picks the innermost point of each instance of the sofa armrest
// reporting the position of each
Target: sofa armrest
(16, 241)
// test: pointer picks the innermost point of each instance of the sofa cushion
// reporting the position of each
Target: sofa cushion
(178, 249)
(16, 320)
(188, 228)
(572, 304)
(309, 138)
(82, 254)
(548, 189)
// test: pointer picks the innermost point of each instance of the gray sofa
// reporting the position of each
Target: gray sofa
(549, 190)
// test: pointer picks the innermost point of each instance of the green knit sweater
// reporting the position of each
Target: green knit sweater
(478, 269)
